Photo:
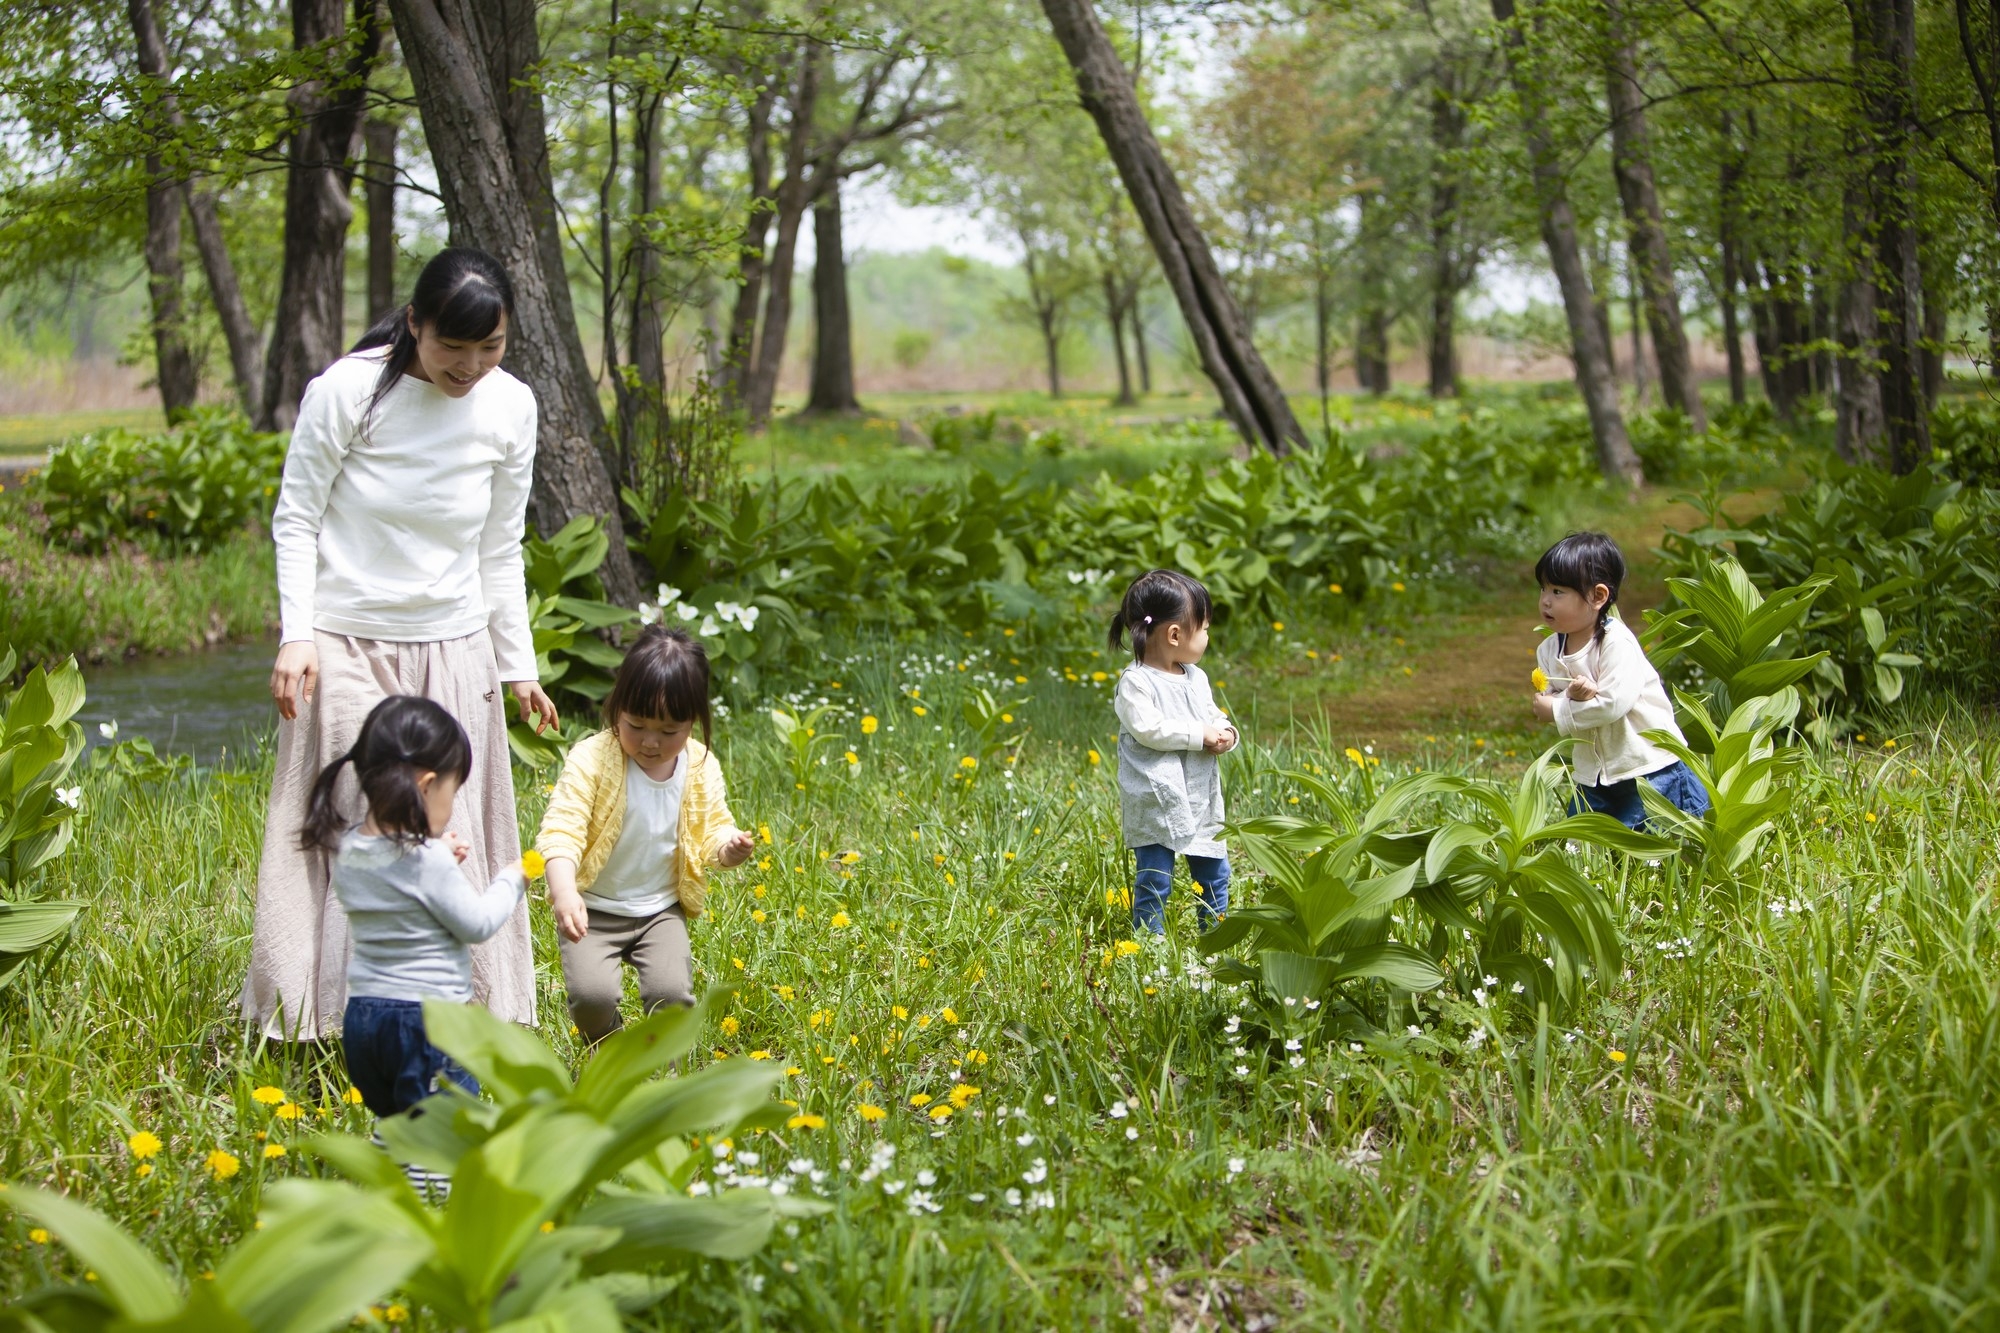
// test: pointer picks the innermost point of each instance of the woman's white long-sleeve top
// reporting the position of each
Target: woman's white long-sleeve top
(1169, 787)
(408, 528)
(1610, 729)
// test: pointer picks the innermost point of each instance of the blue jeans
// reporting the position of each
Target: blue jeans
(1621, 800)
(391, 1059)
(1155, 881)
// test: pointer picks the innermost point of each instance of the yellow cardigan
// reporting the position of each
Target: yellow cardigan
(587, 812)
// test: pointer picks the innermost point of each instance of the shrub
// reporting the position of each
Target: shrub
(39, 745)
(184, 489)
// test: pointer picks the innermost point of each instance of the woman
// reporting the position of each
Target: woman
(398, 533)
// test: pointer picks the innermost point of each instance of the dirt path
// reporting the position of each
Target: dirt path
(1470, 670)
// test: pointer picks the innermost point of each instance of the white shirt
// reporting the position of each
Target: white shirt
(409, 530)
(1169, 788)
(413, 916)
(1610, 729)
(638, 876)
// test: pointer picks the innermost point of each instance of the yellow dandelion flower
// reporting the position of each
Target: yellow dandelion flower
(1020, 680)
(736, 963)
(975, 1056)
(939, 1113)
(1869, 816)
(849, 858)
(274, 1150)
(1333, 588)
(1539, 679)
(840, 921)
(962, 1095)
(1889, 744)
(289, 1111)
(1396, 587)
(1099, 677)
(39, 1235)
(760, 1055)
(1126, 948)
(533, 865)
(1617, 1057)
(968, 762)
(806, 1120)
(757, 914)
(868, 1112)
(143, 1170)
(920, 1099)
(730, 1025)
(793, 1069)
(764, 834)
(222, 1165)
(144, 1144)
(1095, 757)
(851, 757)
(269, 1095)
(1353, 754)
(949, 878)
(1278, 625)
(352, 1097)
(784, 992)
(921, 711)
(869, 724)
(948, 1014)
(758, 891)
(899, 1011)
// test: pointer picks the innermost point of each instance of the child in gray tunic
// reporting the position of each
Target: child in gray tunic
(1169, 735)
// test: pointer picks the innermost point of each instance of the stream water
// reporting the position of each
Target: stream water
(204, 704)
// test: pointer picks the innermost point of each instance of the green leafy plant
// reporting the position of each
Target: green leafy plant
(39, 745)
(1732, 634)
(1745, 771)
(563, 1194)
(804, 742)
(567, 614)
(1495, 872)
(185, 488)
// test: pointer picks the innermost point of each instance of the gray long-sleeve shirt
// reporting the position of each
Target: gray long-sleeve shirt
(413, 914)
(1169, 788)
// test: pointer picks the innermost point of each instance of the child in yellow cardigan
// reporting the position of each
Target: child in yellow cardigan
(638, 815)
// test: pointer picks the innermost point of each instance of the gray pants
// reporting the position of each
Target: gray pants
(655, 945)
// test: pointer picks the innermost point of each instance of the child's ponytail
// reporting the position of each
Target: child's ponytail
(1155, 599)
(404, 736)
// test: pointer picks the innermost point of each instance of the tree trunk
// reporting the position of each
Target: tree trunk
(1447, 137)
(469, 61)
(1728, 221)
(740, 351)
(1322, 334)
(1594, 374)
(1371, 350)
(795, 194)
(1885, 43)
(1136, 306)
(174, 363)
(1250, 394)
(1937, 330)
(309, 328)
(1114, 317)
(1632, 165)
(833, 322)
(1859, 427)
(1048, 314)
(227, 293)
(1764, 328)
(379, 136)
(1633, 300)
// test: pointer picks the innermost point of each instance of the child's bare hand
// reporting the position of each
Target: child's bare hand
(1545, 707)
(1219, 740)
(572, 917)
(736, 850)
(1581, 688)
(460, 848)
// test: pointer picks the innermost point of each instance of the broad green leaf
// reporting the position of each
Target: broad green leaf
(26, 927)
(638, 1052)
(655, 1228)
(1603, 831)
(324, 1251)
(134, 1280)
(1448, 842)
(1397, 964)
(718, 1097)
(437, 1131)
(510, 1062)
(1295, 976)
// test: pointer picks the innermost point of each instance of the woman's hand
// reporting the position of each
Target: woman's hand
(295, 676)
(1545, 707)
(534, 700)
(735, 850)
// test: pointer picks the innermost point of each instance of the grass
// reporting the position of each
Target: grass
(37, 433)
(1779, 1114)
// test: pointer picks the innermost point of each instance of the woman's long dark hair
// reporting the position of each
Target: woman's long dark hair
(461, 294)
(403, 737)
(1158, 598)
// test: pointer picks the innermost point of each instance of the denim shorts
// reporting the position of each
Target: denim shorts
(1621, 800)
(391, 1059)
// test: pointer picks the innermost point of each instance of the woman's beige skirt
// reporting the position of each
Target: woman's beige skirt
(297, 987)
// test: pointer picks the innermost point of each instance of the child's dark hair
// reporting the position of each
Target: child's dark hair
(664, 676)
(461, 294)
(1580, 562)
(1161, 597)
(403, 736)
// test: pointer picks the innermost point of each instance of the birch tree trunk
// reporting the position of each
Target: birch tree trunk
(1591, 350)
(1251, 397)
(469, 61)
